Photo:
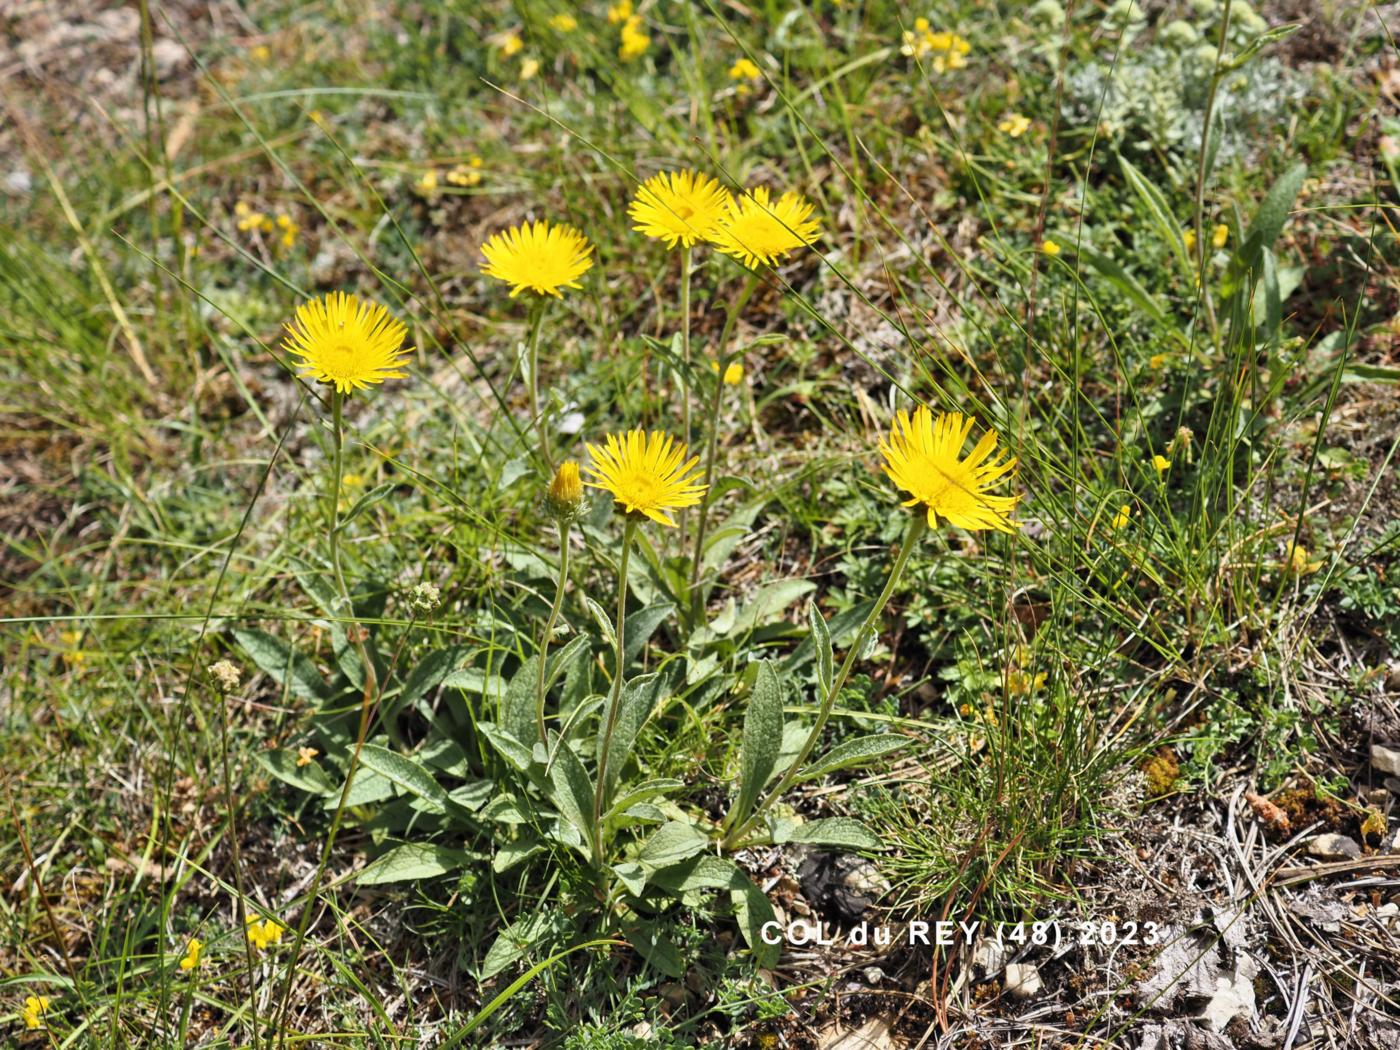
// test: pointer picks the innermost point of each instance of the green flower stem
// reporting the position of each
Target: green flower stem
(685, 342)
(541, 431)
(610, 723)
(712, 446)
(367, 704)
(549, 625)
(918, 525)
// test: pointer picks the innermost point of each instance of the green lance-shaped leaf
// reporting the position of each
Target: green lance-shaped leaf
(670, 844)
(821, 640)
(855, 752)
(834, 831)
(762, 741)
(635, 704)
(413, 861)
(573, 793)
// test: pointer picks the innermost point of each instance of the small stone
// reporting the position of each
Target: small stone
(1385, 760)
(18, 183)
(873, 975)
(168, 56)
(988, 956)
(1333, 847)
(873, 1035)
(1023, 980)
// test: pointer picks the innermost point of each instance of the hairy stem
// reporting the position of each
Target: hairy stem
(712, 444)
(610, 722)
(541, 430)
(685, 343)
(549, 626)
(366, 709)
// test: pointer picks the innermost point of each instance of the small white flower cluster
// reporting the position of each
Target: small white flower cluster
(226, 674)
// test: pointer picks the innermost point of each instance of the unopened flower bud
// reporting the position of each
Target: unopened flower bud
(424, 597)
(565, 493)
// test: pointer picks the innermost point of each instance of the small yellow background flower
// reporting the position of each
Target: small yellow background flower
(1299, 562)
(541, 258)
(733, 372)
(756, 229)
(192, 950)
(35, 1007)
(1015, 125)
(647, 473)
(745, 69)
(921, 457)
(679, 206)
(346, 341)
(264, 933)
(634, 41)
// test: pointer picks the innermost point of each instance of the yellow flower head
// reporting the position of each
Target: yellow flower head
(634, 41)
(620, 12)
(921, 457)
(1015, 125)
(192, 950)
(1298, 561)
(744, 69)
(1219, 235)
(511, 44)
(35, 1007)
(528, 68)
(346, 341)
(1188, 238)
(539, 257)
(563, 23)
(1049, 247)
(733, 373)
(678, 206)
(1158, 361)
(306, 755)
(1120, 520)
(755, 229)
(647, 473)
(565, 491)
(1162, 463)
